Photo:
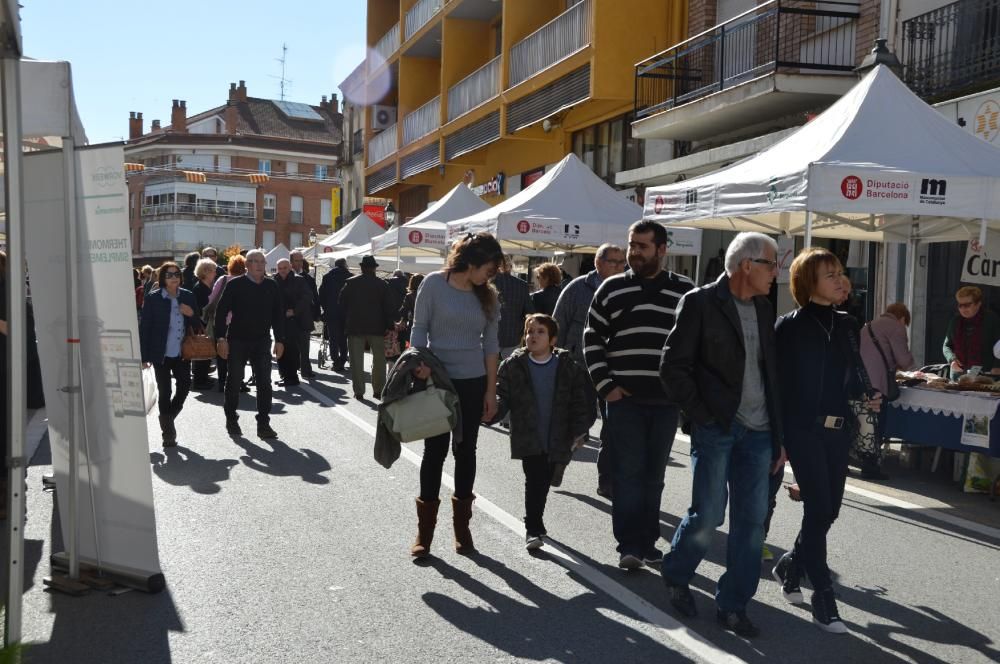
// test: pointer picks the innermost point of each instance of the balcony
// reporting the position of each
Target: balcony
(387, 45)
(420, 14)
(779, 58)
(382, 145)
(477, 88)
(219, 210)
(358, 142)
(556, 40)
(953, 50)
(422, 121)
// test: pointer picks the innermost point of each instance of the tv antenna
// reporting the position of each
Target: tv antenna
(285, 83)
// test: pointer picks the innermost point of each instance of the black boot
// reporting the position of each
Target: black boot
(168, 430)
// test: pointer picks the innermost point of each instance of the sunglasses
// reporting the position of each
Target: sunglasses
(172, 275)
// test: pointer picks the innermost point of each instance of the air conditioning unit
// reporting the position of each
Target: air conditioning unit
(383, 117)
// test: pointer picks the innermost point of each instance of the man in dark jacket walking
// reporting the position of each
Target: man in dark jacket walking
(333, 314)
(367, 309)
(297, 305)
(720, 366)
(301, 268)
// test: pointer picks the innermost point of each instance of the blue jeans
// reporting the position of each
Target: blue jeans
(734, 462)
(640, 436)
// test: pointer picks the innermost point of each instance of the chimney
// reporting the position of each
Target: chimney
(334, 105)
(156, 126)
(134, 125)
(230, 115)
(178, 117)
(241, 91)
(232, 92)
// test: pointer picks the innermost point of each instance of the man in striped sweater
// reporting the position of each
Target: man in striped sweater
(627, 326)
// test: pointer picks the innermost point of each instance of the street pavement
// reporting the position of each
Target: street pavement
(296, 550)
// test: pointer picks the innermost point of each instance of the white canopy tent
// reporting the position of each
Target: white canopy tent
(358, 232)
(880, 165)
(568, 207)
(275, 255)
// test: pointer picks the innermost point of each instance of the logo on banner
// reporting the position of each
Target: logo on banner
(690, 199)
(773, 194)
(416, 237)
(851, 187)
(932, 192)
(523, 226)
(988, 121)
(492, 187)
(658, 204)
(107, 177)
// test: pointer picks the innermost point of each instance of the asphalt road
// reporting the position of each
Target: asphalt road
(296, 550)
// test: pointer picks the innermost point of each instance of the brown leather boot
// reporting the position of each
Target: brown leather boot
(462, 514)
(427, 512)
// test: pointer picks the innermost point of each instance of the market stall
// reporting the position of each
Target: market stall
(956, 420)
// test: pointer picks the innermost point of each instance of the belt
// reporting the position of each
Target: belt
(830, 422)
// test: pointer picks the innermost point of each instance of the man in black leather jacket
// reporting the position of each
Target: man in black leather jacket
(719, 365)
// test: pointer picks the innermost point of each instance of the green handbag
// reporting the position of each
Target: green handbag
(421, 415)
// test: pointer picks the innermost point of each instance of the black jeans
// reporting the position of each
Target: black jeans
(288, 364)
(305, 366)
(222, 370)
(180, 371)
(258, 353)
(604, 452)
(201, 369)
(336, 332)
(470, 397)
(537, 479)
(773, 487)
(819, 459)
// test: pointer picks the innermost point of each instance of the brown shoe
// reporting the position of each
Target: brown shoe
(462, 515)
(427, 511)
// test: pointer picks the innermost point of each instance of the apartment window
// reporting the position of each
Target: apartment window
(325, 212)
(320, 172)
(267, 240)
(292, 168)
(131, 206)
(608, 148)
(270, 204)
(296, 211)
(225, 163)
(294, 240)
(264, 166)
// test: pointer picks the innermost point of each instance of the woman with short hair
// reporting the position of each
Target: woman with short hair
(549, 278)
(205, 271)
(971, 335)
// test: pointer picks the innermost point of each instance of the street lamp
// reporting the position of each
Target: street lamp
(390, 215)
(312, 243)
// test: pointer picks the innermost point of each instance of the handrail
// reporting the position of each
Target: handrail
(388, 43)
(420, 15)
(382, 145)
(422, 121)
(548, 45)
(478, 87)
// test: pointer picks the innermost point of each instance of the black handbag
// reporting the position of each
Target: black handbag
(892, 388)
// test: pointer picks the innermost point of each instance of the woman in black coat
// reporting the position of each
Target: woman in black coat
(406, 311)
(205, 273)
(819, 369)
(167, 315)
(549, 278)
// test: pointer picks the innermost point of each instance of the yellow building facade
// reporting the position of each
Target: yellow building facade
(490, 92)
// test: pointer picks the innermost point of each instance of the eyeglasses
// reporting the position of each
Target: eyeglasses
(172, 275)
(613, 261)
(764, 261)
(966, 305)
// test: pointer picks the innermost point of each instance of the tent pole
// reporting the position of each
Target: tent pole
(911, 270)
(16, 344)
(809, 229)
(72, 387)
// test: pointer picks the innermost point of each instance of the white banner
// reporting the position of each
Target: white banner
(982, 263)
(113, 437)
(683, 241)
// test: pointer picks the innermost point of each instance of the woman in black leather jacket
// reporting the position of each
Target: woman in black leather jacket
(819, 369)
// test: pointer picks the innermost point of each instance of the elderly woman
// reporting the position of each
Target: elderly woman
(236, 267)
(549, 278)
(819, 370)
(167, 314)
(971, 335)
(205, 275)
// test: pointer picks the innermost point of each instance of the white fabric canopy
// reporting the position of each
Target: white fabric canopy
(359, 231)
(427, 232)
(880, 164)
(275, 255)
(567, 207)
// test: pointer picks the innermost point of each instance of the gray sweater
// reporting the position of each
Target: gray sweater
(451, 324)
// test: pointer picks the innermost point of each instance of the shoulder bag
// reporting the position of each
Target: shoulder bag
(892, 388)
(421, 414)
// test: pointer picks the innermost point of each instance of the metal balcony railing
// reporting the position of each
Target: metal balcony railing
(559, 38)
(478, 87)
(953, 49)
(789, 35)
(358, 142)
(382, 145)
(206, 209)
(422, 121)
(388, 43)
(419, 14)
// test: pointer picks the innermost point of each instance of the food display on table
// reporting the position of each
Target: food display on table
(966, 383)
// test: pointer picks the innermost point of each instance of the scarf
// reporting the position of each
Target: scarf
(969, 340)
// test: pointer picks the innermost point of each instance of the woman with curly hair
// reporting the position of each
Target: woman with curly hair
(455, 317)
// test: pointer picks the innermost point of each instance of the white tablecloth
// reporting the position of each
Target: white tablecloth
(956, 404)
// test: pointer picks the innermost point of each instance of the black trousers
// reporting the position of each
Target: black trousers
(178, 370)
(258, 354)
(288, 364)
(305, 366)
(336, 332)
(470, 396)
(537, 479)
(819, 459)
(201, 369)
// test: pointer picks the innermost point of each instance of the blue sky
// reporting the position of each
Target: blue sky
(140, 55)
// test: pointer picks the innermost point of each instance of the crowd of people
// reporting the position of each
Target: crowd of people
(641, 348)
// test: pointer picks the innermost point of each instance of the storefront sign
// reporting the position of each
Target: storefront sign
(982, 262)
(683, 241)
(492, 187)
(376, 213)
(529, 178)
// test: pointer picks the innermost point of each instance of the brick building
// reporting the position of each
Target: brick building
(254, 172)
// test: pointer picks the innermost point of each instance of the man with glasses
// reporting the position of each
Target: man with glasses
(571, 316)
(210, 252)
(255, 303)
(720, 366)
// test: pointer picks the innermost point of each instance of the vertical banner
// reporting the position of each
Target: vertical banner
(112, 426)
(334, 208)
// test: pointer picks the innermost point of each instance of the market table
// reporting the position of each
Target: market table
(939, 417)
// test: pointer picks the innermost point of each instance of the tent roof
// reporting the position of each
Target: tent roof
(567, 206)
(869, 167)
(359, 231)
(458, 203)
(275, 255)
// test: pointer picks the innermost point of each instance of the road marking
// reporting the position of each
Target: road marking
(672, 629)
(930, 512)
